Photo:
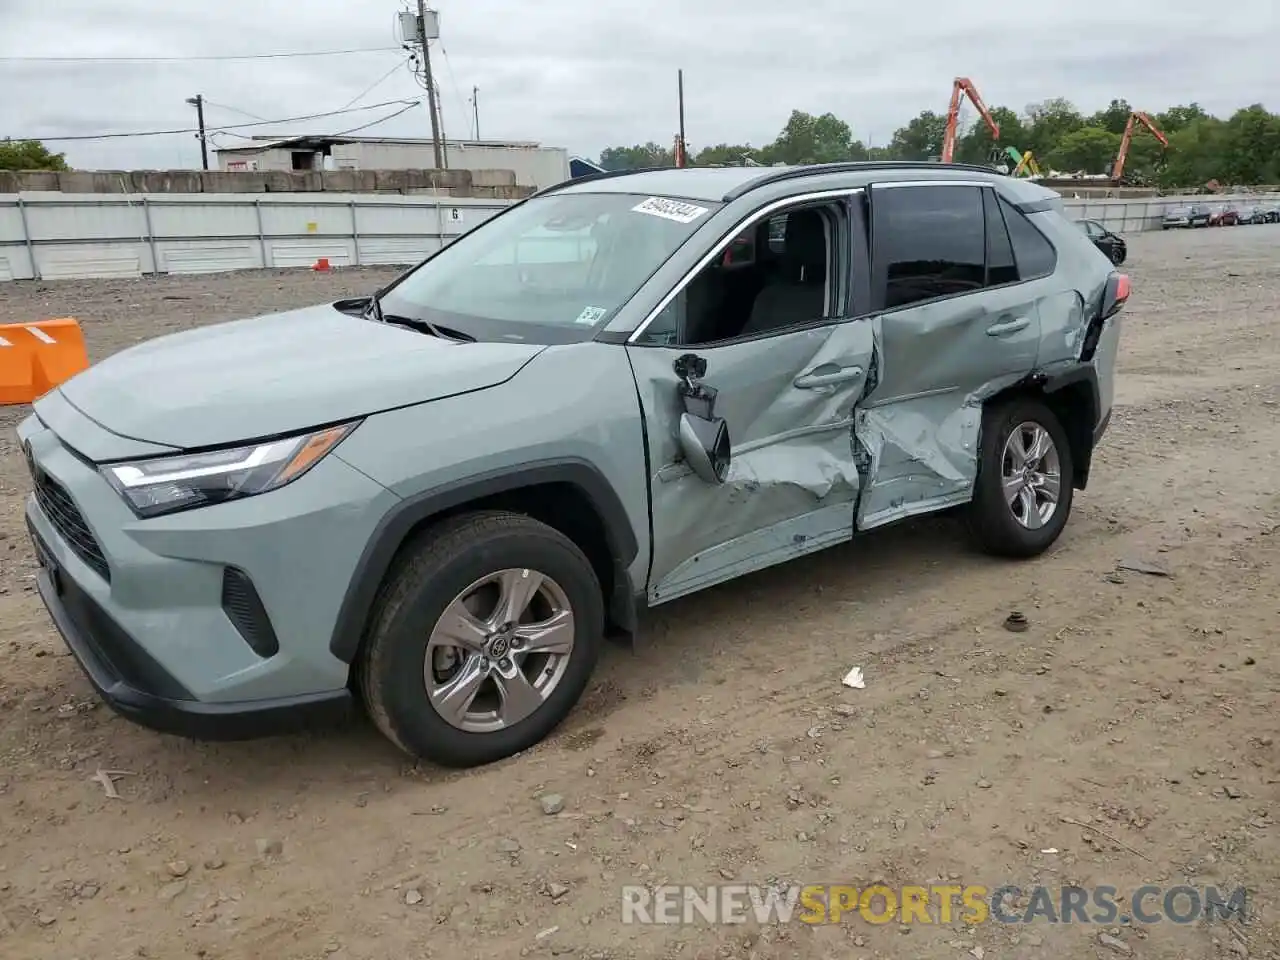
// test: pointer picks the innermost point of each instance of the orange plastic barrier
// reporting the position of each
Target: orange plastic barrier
(36, 357)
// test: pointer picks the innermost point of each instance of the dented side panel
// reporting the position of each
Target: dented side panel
(937, 363)
(793, 478)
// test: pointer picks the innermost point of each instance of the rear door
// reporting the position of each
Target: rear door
(957, 323)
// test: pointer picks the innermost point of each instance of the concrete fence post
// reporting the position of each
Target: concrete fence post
(27, 239)
(262, 238)
(151, 236)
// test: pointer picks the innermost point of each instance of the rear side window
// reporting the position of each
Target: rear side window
(1001, 266)
(1034, 254)
(929, 242)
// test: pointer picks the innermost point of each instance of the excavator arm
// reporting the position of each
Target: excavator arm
(1126, 140)
(963, 87)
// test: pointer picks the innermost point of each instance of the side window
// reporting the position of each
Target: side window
(1001, 266)
(774, 276)
(929, 242)
(1034, 254)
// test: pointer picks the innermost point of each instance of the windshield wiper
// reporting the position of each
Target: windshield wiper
(426, 326)
(414, 323)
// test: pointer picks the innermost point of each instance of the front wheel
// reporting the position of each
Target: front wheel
(1023, 493)
(1118, 255)
(485, 637)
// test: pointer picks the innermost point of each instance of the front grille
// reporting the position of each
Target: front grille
(67, 520)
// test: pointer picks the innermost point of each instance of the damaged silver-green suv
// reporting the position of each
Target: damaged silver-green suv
(438, 499)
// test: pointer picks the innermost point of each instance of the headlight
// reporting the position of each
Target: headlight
(169, 484)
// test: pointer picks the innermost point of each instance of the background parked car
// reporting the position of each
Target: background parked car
(1272, 215)
(1193, 216)
(1111, 244)
(1224, 216)
(1253, 215)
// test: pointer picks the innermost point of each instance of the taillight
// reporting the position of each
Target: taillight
(1115, 295)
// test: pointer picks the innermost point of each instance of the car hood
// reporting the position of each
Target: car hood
(279, 373)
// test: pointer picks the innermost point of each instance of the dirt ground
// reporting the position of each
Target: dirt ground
(1128, 736)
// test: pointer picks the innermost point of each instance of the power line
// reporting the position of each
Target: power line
(453, 81)
(243, 113)
(189, 59)
(373, 86)
(409, 105)
(227, 126)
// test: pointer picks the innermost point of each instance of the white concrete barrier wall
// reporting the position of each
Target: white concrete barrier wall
(63, 236)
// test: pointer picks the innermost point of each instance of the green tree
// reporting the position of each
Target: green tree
(921, 138)
(637, 157)
(1113, 118)
(1050, 121)
(1252, 147)
(1085, 150)
(1179, 118)
(977, 145)
(810, 139)
(29, 155)
(725, 154)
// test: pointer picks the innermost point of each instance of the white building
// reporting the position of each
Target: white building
(533, 164)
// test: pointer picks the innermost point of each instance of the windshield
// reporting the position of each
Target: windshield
(553, 270)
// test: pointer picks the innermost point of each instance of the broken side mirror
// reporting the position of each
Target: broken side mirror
(703, 437)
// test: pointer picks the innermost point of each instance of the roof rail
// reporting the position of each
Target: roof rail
(778, 174)
(592, 177)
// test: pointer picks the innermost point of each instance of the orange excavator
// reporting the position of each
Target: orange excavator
(1135, 117)
(960, 88)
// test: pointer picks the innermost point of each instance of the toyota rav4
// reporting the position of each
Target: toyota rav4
(436, 501)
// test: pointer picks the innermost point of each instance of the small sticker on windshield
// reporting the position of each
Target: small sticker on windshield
(590, 315)
(676, 210)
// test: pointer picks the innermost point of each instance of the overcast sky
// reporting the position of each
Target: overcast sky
(585, 75)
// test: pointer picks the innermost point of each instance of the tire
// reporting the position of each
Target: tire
(992, 519)
(437, 570)
(1118, 255)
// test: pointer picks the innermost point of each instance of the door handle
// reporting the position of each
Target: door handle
(1008, 326)
(831, 374)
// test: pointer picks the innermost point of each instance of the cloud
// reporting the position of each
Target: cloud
(585, 76)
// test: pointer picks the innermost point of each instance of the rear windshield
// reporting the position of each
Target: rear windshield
(553, 270)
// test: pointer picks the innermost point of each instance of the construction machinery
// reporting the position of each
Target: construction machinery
(1136, 117)
(1024, 164)
(963, 87)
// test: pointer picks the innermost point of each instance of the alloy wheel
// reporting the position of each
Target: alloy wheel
(1031, 474)
(499, 650)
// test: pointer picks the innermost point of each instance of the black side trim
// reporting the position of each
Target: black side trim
(1088, 432)
(395, 526)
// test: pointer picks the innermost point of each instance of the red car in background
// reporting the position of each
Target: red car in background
(1224, 217)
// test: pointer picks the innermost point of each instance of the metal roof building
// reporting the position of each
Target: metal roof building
(533, 164)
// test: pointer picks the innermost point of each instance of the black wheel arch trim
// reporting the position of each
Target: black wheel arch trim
(1091, 432)
(391, 531)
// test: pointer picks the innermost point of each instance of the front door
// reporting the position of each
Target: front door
(788, 367)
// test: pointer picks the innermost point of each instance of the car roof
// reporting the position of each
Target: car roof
(721, 184)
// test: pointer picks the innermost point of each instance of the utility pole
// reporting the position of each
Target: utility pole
(198, 102)
(475, 108)
(433, 104)
(682, 158)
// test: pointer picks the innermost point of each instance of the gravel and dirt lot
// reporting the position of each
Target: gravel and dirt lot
(1128, 736)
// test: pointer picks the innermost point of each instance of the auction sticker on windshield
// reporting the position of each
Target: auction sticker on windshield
(676, 210)
(590, 315)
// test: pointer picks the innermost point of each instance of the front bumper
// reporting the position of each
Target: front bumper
(213, 623)
(138, 688)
